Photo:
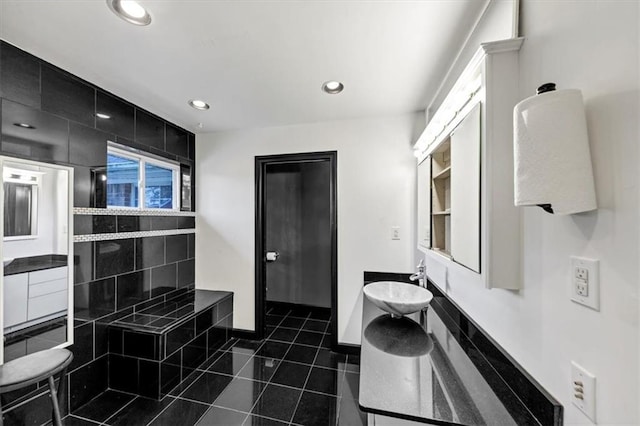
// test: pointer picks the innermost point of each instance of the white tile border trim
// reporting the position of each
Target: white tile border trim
(129, 212)
(123, 235)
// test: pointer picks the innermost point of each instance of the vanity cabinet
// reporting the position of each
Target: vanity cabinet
(16, 295)
(466, 214)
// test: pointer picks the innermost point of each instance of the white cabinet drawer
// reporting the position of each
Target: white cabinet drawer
(15, 299)
(47, 275)
(47, 304)
(48, 287)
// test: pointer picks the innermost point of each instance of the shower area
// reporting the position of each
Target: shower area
(296, 237)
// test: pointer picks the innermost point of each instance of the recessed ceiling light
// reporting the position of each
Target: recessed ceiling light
(198, 104)
(103, 116)
(24, 125)
(332, 87)
(130, 11)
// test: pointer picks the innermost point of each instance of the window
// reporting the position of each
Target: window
(136, 180)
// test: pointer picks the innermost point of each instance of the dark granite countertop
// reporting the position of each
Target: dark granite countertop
(163, 316)
(414, 368)
(21, 265)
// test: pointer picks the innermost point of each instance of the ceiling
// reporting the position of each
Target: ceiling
(258, 63)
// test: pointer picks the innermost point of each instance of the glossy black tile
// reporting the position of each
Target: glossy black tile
(315, 325)
(82, 224)
(194, 354)
(141, 411)
(350, 386)
(176, 141)
(229, 363)
(123, 375)
(284, 334)
(149, 378)
(121, 115)
(316, 410)
(87, 146)
(216, 338)
(291, 374)
(328, 359)
(149, 129)
(186, 222)
(103, 224)
(87, 382)
(258, 368)
(273, 319)
(254, 420)
(66, 96)
(180, 412)
(291, 322)
(36, 412)
(129, 224)
(46, 139)
(218, 416)
(191, 246)
(322, 314)
(192, 146)
(170, 372)
(19, 76)
(83, 261)
(140, 345)
(300, 311)
(94, 299)
(302, 354)
(83, 188)
(82, 347)
(72, 420)
(114, 257)
(180, 336)
(132, 288)
(371, 276)
(163, 279)
(324, 380)
(225, 308)
(104, 406)
(241, 394)
(187, 275)
(309, 338)
(277, 402)
(272, 349)
(205, 320)
(149, 252)
(350, 414)
(326, 342)
(101, 338)
(162, 223)
(176, 247)
(115, 336)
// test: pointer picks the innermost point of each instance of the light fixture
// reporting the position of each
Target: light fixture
(198, 104)
(332, 87)
(103, 116)
(24, 126)
(130, 11)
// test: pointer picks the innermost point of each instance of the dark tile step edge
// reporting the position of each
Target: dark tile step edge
(544, 407)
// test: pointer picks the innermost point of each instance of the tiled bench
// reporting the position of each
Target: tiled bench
(152, 350)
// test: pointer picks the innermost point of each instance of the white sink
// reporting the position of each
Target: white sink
(397, 298)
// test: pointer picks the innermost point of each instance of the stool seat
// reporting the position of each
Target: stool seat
(33, 368)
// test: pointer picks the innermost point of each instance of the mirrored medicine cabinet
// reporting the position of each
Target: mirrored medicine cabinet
(37, 252)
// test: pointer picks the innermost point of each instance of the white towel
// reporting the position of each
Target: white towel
(551, 153)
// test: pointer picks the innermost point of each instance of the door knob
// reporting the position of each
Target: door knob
(272, 256)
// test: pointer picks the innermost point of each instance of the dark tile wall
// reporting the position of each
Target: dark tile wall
(62, 109)
(112, 278)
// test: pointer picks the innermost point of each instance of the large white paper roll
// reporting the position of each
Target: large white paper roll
(551, 153)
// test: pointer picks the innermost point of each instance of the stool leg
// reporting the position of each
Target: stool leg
(57, 421)
(62, 396)
(1, 413)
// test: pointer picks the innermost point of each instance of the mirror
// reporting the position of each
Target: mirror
(37, 253)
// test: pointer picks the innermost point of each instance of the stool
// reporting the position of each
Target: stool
(34, 368)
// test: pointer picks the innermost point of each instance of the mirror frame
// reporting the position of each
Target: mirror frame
(70, 242)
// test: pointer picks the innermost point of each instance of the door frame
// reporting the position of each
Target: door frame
(261, 163)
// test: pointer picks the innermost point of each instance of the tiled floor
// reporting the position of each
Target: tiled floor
(289, 378)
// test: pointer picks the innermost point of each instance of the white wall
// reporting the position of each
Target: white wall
(376, 190)
(593, 46)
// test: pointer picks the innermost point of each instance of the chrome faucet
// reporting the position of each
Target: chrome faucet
(420, 275)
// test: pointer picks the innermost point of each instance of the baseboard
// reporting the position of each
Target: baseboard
(347, 348)
(244, 334)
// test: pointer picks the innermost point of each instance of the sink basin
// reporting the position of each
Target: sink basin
(397, 298)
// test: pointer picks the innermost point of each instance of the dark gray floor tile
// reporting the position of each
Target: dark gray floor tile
(284, 334)
(324, 380)
(316, 409)
(350, 414)
(253, 420)
(141, 411)
(207, 387)
(303, 354)
(277, 402)
(77, 421)
(350, 386)
(240, 395)
(272, 349)
(291, 374)
(328, 359)
(291, 322)
(180, 412)
(229, 363)
(309, 338)
(104, 405)
(259, 368)
(218, 416)
(315, 325)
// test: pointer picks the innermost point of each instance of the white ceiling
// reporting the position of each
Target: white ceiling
(258, 63)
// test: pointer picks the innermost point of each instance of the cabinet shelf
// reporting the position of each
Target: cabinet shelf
(444, 174)
(442, 213)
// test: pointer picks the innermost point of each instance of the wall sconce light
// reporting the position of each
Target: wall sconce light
(552, 158)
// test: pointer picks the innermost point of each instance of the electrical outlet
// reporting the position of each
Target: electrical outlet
(585, 282)
(583, 390)
(395, 232)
